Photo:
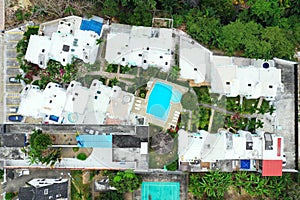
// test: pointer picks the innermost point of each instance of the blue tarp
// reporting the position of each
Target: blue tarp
(94, 141)
(91, 25)
(245, 164)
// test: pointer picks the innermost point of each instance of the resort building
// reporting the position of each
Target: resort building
(261, 79)
(98, 104)
(195, 61)
(202, 151)
(139, 46)
(44, 188)
(74, 38)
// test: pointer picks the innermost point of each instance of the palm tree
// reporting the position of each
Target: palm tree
(99, 41)
(113, 81)
(259, 124)
(272, 109)
(175, 72)
(19, 77)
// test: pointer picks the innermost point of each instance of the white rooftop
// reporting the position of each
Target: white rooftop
(209, 147)
(194, 60)
(38, 50)
(65, 43)
(249, 81)
(139, 46)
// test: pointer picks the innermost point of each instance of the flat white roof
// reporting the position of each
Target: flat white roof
(139, 46)
(67, 42)
(252, 82)
(31, 101)
(194, 60)
(38, 50)
(210, 147)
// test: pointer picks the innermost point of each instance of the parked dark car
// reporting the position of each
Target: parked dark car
(14, 80)
(15, 118)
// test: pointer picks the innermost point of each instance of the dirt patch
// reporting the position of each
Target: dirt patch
(86, 177)
(68, 152)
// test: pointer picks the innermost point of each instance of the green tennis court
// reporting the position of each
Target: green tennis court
(160, 191)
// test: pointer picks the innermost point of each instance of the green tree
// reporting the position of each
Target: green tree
(113, 82)
(175, 72)
(282, 45)
(99, 41)
(42, 141)
(267, 12)
(204, 29)
(1, 173)
(125, 181)
(9, 195)
(40, 150)
(213, 184)
(111, 195)
(189, 101)
(259, 124)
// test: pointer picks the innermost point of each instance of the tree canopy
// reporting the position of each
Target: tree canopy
(40, 150)
(125, 181)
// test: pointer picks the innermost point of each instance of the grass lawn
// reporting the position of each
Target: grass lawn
(157, 161)
(218, 121)
(154, 129)
(184, 120)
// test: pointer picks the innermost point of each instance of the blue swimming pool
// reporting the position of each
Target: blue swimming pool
(160, 191)
(94, 141)
(160, 99)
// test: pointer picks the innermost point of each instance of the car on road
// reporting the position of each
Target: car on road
(14, 80)
(15, 118)
(13, 109)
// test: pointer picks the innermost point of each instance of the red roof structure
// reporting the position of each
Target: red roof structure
(272, 168)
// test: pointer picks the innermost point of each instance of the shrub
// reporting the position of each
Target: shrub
(75, 149)
(82, 156)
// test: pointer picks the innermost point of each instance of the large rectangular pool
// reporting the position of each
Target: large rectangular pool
(160, 191)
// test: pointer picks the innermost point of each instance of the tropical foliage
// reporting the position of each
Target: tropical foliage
(214, 185)
(40, 150)
(111, 195)
(125, 181)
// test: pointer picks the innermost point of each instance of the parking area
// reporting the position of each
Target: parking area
(12, 87)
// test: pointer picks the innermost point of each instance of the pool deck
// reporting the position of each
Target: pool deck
(140, 106)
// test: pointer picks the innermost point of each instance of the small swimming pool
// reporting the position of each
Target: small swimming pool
(160, 99)
(160, 191)
(94, 141)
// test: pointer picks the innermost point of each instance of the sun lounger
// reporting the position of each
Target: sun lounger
(137, 108)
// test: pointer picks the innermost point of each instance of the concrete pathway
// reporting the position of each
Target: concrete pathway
(2, 15)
